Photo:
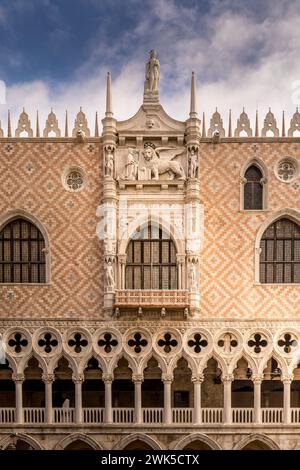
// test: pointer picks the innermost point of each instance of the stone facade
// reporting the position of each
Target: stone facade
(216, 344)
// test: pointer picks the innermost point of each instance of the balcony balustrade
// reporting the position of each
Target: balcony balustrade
(151, 298)
(150, 416)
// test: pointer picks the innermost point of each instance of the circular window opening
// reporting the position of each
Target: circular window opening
(287, 170)
(74, 179)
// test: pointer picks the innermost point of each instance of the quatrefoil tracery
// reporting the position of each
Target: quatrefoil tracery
(78, 342)
(18, 342)
(137, 342)
(107, 342)
(198, 343)
(257, 343)
(288, 343)
(48, 342)
(167, 343)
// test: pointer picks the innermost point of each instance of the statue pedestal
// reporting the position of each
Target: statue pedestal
(151, 97)
(108, 299)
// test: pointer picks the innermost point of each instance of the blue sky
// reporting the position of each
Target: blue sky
(57, 52)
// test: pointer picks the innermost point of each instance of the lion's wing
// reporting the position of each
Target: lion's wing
(167, 153)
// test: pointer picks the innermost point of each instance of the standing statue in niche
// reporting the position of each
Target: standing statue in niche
(152, 73)
(109, 275)
(192, 276)
(193, 163)
(109, 162)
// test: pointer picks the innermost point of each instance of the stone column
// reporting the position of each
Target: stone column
(180, 262)
(108, 415)
(138, 380)
(167, 380)
(257, 380)
(197, 380)
(227, 413)
(48, 380)
(287, 399)
(78, 380)
(19, 379)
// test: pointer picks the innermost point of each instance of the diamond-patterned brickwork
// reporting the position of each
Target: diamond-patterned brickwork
(70, 220)
(227, 265)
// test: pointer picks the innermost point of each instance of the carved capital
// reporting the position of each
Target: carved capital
(243, 180)
(137, 378)
(167, 378)
(199, 378)
(107, 378)
(227, 378)
(18, 378)
(48, 378)
(79, 378)
(287, 379)
(257, 378)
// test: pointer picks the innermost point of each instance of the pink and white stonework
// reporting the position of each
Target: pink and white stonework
(145, 302)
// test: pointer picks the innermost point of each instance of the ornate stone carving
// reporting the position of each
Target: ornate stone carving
(109, 275)
(228, 343)
(51, 125)
(295, 124)
(167, 378)
(78, 378)
(243, 125)
(193, 161)
(48, 378)
(216, 125)
(137, 378)
(81, 124)
(193, 276)
(24, 125)
(109, 160)
(287, 170)
(270, 125)
(152, 73)
(131, 166)
(162, 160)
(18, 378)
(107, 378)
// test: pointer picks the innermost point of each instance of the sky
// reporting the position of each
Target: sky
(56, 53)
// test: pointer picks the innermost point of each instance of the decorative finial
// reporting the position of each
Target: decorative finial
(256, 124)
(203, 125)
(96, 126)
(8, 124)
(193, 107)
(283, 125)
(109, 111)
(230, 124)
(66, 125)
(37, 125)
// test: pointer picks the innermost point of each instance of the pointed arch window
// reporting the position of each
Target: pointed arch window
(22, 253)
(151, 261)
(280, 253)
(253, 189)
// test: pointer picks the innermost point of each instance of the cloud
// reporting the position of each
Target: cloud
(244, 54)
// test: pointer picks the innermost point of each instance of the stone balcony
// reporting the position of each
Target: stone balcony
(149, 416)
(152, 298)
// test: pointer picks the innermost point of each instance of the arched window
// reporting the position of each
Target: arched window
(280, 253)
(151, 260)
(253, 189)
(22, 253)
